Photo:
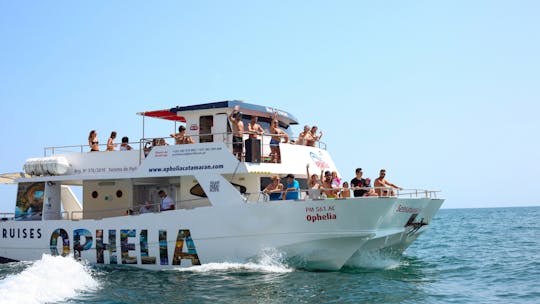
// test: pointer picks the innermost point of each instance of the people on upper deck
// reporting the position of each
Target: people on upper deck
(237, 126)
(274, 189)
(381, 183)
(110, 142)
(292, 192)
(162, 142)
(181, 138)
(275, 140)
(304, 136)
(328, 188)
(361, 186)
(166, 202)
(93, 141)
(254, 129)
(124, 146)
(314, 185)
(313, 136)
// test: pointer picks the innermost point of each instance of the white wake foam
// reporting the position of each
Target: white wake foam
(270, 260)
(51, 279)
(373, 259)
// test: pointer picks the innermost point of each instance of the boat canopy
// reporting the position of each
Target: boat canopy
(174, 114)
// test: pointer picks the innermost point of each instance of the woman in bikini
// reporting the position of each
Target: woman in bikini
(110, 142)
(93, 141)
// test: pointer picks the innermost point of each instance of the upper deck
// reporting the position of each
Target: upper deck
(209, 126)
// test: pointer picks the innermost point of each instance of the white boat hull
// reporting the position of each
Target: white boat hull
(321, 234)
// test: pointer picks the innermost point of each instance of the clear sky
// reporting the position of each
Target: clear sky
(443, 94)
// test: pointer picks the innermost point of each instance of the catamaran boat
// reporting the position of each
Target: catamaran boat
(221, 213)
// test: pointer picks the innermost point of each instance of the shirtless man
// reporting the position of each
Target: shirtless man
(313, 137)
(238, 129)
(381, 182)
(328, 188)
(181, 138)
(304, 137)
(254, 129)
(277, 134)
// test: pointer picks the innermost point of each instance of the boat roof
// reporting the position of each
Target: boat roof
(175, 114)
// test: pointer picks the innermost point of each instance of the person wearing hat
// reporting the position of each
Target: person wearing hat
(293, 188)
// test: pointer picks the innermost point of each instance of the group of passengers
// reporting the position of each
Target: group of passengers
(329, 186)
(309, 136)
(93, 142)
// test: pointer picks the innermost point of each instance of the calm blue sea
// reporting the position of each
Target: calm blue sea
(466, 256)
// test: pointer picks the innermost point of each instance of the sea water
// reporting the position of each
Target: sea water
(465, 256)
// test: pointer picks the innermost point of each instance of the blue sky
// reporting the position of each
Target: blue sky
(443, 94)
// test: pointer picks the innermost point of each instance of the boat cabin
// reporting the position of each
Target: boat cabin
(202, 174)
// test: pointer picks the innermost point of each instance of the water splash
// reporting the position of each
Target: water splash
(51, 279)
(374, 259)
(269, 260)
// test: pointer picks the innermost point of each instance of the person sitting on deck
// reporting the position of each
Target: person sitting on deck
(381, 183)
(292, 192)
(181, 138)
(274, 189)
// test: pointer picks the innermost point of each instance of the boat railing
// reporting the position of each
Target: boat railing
(319, 194)
(50, 151)
(146, 144)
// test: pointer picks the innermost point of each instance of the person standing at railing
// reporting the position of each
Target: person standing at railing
(181, 138)
(314, 137)
(304, 137)
(237, 126)
(381, 182)
(328, 187)
(277, 134)
(274, 189)
(345, 191)
(93, 141)
(166, 202)
(314, 185)
(292, 192)
(110, 142)
(254, 129)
